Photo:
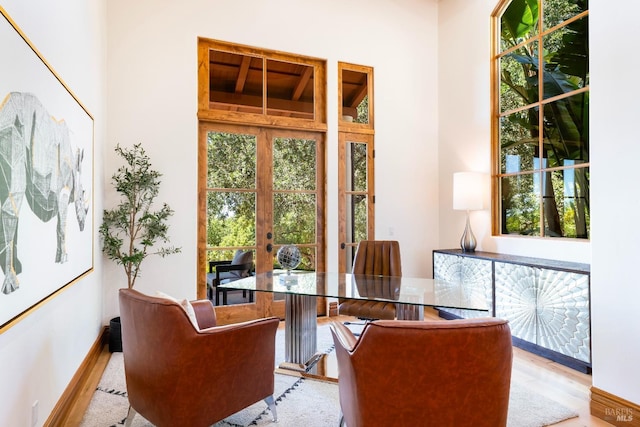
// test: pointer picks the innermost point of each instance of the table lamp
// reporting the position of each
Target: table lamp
(468, 193)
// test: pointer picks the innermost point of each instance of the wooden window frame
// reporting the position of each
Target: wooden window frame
(354, 132)
(496, 115)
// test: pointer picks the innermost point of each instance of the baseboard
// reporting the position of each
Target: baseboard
(613, 409)
(555, 356)
(60, 416)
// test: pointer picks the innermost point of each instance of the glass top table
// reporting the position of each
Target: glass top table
(301, 290)
(403, 290)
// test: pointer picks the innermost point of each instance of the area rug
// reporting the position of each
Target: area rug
(299, 401)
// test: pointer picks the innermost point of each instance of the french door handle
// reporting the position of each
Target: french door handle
(269, 247)
(343, 245)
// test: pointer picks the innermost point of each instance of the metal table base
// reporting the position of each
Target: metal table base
(301, 344)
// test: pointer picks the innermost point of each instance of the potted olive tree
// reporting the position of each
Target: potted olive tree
(130, 231)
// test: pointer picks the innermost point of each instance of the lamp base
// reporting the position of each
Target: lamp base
(468, 240)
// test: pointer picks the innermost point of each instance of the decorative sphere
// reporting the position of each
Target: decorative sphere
(289, 257)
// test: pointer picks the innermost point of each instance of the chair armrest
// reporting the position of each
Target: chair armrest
(231, 267)
(213, 264)
(344, 335)
(205, 313)
(231, 365)
(255, 323)
(239, 341)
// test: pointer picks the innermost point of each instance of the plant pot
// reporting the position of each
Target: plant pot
(115, 335)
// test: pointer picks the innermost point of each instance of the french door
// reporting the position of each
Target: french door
(260, 189)
(355, 194)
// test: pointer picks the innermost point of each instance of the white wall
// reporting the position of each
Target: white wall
(615, 148)
(40, 354)
(465, 145)
(153, 99)
(464, 111)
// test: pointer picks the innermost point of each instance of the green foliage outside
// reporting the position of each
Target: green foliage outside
(561, 197)
(363, 111)
(357, 203)
(231, 201)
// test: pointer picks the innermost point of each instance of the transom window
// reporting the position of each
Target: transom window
(249, 85)
(541, 118)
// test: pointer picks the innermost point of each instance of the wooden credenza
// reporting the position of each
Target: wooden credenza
(545, 301)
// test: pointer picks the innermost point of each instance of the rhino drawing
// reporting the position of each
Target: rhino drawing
(38, 163)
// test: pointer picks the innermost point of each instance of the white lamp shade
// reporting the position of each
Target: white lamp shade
(468, 190)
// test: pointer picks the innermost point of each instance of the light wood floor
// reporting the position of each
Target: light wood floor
(557, 382)
(562, 384)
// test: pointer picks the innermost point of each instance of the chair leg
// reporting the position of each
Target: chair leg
(224, 296)
(271, 403)
(341, 422)
(132, 413)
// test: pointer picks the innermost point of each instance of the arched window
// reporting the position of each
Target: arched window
(541, 118)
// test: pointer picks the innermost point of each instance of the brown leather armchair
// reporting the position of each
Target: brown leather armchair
(432, 373)
(179, 375)
(374, 257)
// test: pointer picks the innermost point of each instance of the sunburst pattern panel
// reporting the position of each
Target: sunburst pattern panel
(474, 273)
(563, 313)
(546, 307)
(516, 299)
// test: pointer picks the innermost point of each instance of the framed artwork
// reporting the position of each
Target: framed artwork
(46, 179)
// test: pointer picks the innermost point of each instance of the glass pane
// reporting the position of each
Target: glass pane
(566, 207)
(363, 111)
(519, 78)
(294, 218)
(355, 101)
(231, 219)
(519, 22)
(566, 59)
(235, 82)
(290, 89)
(357, 164)
(231, 160)
(566, 131)
(558, 11)
(294, 164)
(519, 141)
(520, 204)
(357, 219)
